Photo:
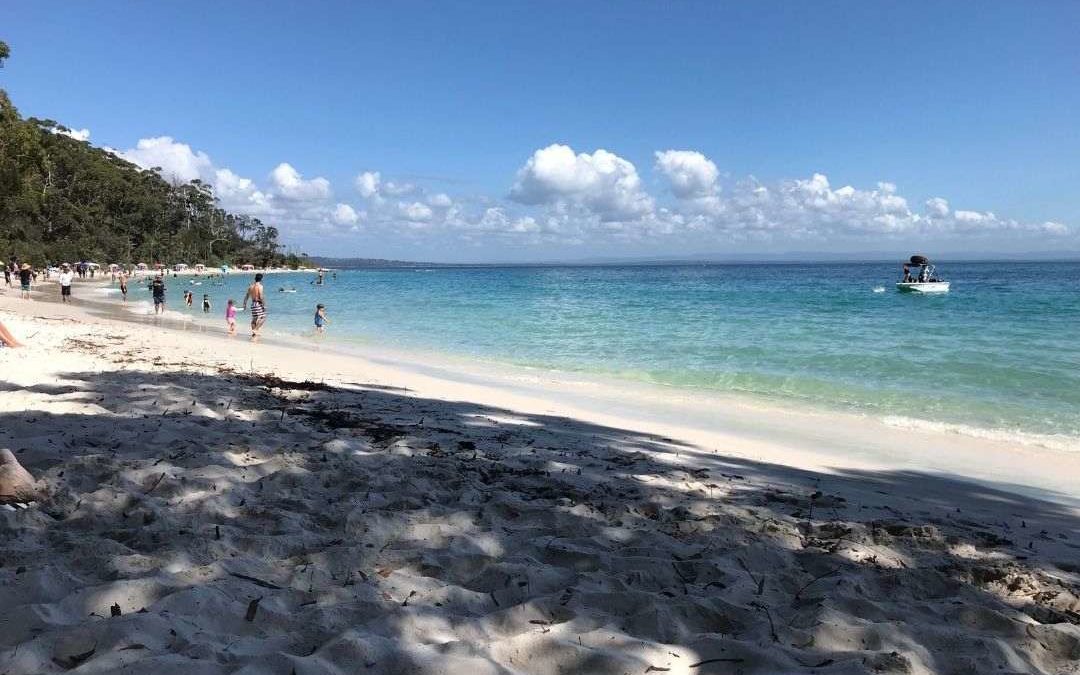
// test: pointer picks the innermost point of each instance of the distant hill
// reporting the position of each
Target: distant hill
(365, 263)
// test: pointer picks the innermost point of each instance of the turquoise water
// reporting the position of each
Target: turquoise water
(999, 353)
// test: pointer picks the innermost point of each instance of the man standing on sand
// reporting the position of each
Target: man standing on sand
(157, 288)
(66, 277)
(26, 275)
(258, 305)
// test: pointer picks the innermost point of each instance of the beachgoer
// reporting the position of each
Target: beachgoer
(258, 305)
(7, 276)
(157, 288)
(66, 277)
(230, 316)
(206, 302)
(320, 318)
(123, 287)
(189, 298)
(6, 338)
(26, 275)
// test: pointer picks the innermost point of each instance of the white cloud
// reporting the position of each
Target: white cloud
(561, 197)
(393, 189)
(289, 184)
(370, 185)
(177, 161)
(973, 217)
(692, 175)
(367, 183)
(344, 214)
(77, 134)
(936, 206)
(603, 183)
(441, 200)
(416, 212)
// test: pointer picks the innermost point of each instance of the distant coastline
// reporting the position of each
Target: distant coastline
(808, 258)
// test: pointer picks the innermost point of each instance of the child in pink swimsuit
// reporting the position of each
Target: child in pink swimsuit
(230, 316)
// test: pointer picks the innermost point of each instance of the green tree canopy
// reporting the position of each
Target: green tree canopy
(64, 200)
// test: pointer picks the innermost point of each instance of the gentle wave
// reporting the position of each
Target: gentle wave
(1048, 441)
(143, 308)
(996, 357)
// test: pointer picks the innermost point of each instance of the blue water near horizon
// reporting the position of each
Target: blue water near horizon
(998, 354)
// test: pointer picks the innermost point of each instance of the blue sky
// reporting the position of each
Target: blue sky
(484, 121)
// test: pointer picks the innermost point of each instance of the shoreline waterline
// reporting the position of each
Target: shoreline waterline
(452, 365)
(823, 441)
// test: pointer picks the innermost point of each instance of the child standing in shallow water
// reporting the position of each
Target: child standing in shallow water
(230, 316)
(206, 302)
(320, 318)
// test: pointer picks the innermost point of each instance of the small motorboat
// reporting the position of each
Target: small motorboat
(923, 281)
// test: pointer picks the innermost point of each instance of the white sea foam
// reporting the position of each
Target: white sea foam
(1057, 442)
(879, 289)
(144, 308)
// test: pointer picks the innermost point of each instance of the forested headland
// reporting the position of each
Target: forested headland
(62, 199)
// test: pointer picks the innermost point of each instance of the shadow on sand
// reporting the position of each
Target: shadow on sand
(364, 530)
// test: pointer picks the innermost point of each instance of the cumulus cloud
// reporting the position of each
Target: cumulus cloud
(370, 185)
(367, 183)
(289, 184)
(936, 206)
(602, 182)
(691, 174)
(416, 212)
(177, 161)
(344, 214)
(77, 134)
(441, 200)
(562, 197)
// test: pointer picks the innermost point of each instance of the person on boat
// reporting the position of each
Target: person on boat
(924, 274)
(907, 274)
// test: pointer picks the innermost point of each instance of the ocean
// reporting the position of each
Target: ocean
(998, 356)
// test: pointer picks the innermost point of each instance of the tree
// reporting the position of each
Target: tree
(65, 200)
(5, 52)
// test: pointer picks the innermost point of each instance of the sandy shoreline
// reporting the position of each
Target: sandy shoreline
(398, 517)
(752, 429)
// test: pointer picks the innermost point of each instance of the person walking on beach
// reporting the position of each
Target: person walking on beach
(230, 316)
(123, 287)
(258, 305)
(66, 277)
(7, 276)
(157, 288)
(320, 318)
(206, 302)
(26, 275)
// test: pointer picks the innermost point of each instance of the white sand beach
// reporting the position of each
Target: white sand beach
(211, 506)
